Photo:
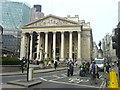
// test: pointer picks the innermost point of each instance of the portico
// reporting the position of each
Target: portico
(55, 37)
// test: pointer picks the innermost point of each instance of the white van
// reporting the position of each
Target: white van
(100, 63)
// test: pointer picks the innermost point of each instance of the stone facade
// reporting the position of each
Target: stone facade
(108, 52)
(61, 38)
(95, 50)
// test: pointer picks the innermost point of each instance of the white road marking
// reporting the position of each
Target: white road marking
(72, 84)
(77, 80)
(56, 76)
(64, 75)
(100, 76)
(43, 79)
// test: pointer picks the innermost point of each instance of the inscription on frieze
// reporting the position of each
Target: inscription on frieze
(51, 22)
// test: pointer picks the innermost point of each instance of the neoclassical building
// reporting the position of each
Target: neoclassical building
(57, 37)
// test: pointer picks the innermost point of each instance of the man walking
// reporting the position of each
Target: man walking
(23, 62)
(70, 66)
(94, 72)
(55, 64)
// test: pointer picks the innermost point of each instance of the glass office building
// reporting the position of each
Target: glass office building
(14, 14)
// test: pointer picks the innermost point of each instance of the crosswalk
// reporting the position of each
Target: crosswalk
(73, 79)
(78, 80)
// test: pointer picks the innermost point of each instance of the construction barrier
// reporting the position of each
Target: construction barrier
(113, 81)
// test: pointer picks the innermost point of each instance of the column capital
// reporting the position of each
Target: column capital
(46, 32)
(79, 31)
(31, 32)
(70, 31)
(62, 32)
(54, 32)
(38, 32)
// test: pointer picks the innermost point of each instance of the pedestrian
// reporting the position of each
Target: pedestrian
(107, 69)
(55, 64)
(76, 63)
(23, 62)
(70, 69)
(49, 64)
(94, 72)
(87, 67)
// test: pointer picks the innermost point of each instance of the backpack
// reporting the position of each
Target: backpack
(93, 68)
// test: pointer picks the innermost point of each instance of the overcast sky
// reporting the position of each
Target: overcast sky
(102, 14)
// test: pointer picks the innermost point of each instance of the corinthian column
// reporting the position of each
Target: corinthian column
(79, 46)
(54, 45)
(70, 45)
(22, 50)
(62, 45)
(38, 47)
(31, 40)
(46, 44)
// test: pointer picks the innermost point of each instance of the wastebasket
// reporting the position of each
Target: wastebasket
(30, 74)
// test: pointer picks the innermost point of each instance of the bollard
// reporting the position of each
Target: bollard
(113, 80)
(30, 78)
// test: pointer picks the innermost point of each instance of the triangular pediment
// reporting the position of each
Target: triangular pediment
(51, 20)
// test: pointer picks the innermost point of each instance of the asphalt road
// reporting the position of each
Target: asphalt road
(58, 79)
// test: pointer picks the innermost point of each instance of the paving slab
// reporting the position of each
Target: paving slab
(25, 83)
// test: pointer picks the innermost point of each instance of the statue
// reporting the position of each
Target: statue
(99, 44)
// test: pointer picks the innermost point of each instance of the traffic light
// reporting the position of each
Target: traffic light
(116, 41)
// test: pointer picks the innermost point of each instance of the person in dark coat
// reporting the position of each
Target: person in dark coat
(70, 66)
(55, 64)
(23, 62)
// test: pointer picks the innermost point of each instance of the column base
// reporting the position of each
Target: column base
(38, 59)
(62, 59)
(70, 59)
(79, 61)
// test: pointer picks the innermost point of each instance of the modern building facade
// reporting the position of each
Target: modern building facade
(36, 13)
(13, 15)
(11, 40)
(108, 52)
(62, 38)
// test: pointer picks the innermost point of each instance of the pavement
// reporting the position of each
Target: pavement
(50, 69)
(25, 83)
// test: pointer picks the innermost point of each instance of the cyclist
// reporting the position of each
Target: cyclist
(94, 72)
(83, 69)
